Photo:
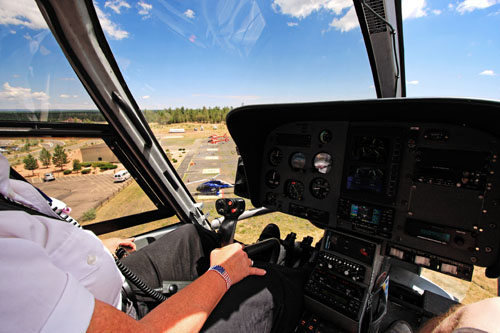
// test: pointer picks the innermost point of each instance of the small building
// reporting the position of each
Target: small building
(176, 130)
(98, 153)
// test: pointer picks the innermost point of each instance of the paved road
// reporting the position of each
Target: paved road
(182, 169)
(202, 155)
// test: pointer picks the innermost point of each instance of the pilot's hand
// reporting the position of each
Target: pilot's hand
(235, 261)
(482, 315)
(113, 243)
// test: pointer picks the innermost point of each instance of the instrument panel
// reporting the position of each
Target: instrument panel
(429, 191)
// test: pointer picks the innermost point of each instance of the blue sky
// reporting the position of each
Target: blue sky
(234, 52)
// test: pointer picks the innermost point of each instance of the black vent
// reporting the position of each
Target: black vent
(375, 24)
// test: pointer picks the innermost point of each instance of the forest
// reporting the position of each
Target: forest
(162, 117)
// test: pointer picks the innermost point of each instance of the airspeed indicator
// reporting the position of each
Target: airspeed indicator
(294, 189)
(320, 188)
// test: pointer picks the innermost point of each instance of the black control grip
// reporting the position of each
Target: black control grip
(230, 208)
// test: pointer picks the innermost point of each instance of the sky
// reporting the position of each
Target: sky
(238, 52)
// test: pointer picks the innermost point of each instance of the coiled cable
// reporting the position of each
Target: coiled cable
(139, 283)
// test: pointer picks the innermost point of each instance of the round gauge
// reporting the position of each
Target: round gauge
(320, 188)
(325, 136)
(271, 198)
(272, 179)
(275, 156)
(298, 161)
(323, 162)
(294, 189)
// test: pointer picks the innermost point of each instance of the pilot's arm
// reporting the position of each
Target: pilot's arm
(60, 278)
(187, 310)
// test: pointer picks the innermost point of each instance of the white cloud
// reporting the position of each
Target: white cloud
(109, 27)
(338, 6)
(116, 5)
(414, 9)
(471, 5)
(488, 72)
(301, 9)
(146, 97)
(21, 12)
(20, 93)
(437, 11)
(413, 82)
(144, 8)
(189, 13)
(348, 22)
(292, 24)
(64, 96)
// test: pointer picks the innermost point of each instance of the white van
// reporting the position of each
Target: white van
(121, 176)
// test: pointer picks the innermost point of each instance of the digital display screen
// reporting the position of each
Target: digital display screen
(436, 235)
(365, 179)
(427, 231)
(366, 214)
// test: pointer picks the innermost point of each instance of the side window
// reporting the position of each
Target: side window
(85, 175)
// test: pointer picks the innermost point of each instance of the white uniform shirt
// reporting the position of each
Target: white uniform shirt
(50, 271)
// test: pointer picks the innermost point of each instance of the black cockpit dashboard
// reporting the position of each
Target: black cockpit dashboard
(406, 180)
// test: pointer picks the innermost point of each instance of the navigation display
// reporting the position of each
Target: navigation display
(366, 214)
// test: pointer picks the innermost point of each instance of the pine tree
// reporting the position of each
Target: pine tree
(76, 165)
(59, 158)
(45, 157)
(30, 163)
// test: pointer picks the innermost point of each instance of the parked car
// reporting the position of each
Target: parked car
(48, 177)
(121, 176)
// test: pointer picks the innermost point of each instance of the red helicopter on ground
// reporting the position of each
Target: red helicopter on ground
(214, 138)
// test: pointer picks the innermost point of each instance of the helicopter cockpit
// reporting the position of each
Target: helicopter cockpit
(391, 185)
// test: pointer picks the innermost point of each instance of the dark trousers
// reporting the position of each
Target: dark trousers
(267, 303)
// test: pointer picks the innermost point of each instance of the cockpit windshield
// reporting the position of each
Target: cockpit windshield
(197, 54)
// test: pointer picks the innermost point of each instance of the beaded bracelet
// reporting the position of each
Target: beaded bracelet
(222, 272)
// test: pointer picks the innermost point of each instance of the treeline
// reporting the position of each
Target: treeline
(163, 117)
(74, 116)
(182, 115)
